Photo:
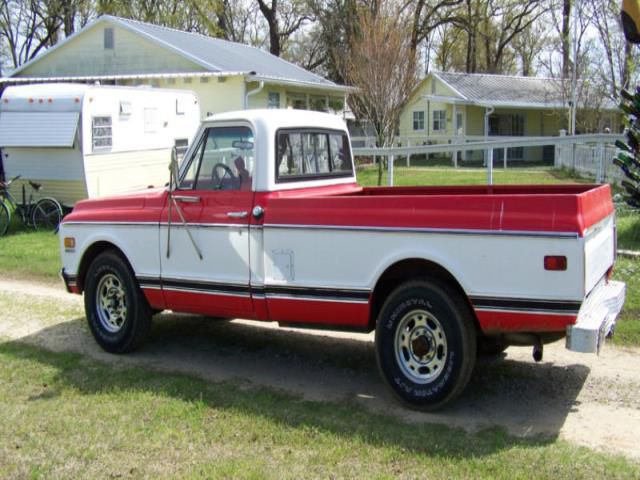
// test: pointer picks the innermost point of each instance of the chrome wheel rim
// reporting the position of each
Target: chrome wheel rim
(112, 303)
(420, 346)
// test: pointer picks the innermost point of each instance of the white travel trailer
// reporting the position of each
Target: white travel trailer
(88, 141)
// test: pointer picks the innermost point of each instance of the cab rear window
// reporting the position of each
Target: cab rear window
(312, 154)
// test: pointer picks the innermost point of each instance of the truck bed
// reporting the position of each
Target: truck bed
(570, 209)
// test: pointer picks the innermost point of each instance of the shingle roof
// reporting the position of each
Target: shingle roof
(507, 90)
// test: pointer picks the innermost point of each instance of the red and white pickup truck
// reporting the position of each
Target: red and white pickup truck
(265, 221)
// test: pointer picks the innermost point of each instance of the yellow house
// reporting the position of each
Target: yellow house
(224, 75)
(450, 107)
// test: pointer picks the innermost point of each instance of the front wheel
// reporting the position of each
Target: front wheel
(5, 218)
(117, 311)
(425, 344)
(47, 214)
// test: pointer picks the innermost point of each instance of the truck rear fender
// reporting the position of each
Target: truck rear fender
(412, 269)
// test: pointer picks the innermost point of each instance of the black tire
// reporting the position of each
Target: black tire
(491, 346)
(5, 218)
(425, 344)
(46, 214)
(117, 311)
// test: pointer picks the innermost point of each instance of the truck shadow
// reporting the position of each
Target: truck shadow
(529, 401)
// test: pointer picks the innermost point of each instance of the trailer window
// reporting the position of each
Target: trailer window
(101, 135)
(307, 155)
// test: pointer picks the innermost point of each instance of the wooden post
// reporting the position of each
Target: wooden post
(390, 171)
(490, 166)
(601, 169)
(505, 158)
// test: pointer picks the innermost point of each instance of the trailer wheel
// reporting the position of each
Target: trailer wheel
(425, 344)
(117, 312)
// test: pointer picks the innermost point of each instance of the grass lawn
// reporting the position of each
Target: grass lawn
(368, 176)
(64, 416)
(29, 254)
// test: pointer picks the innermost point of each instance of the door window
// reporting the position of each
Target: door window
(223, 160)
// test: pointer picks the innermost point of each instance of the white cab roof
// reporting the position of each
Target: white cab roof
(265, 123)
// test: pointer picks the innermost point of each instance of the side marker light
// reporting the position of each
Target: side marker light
(557, 263)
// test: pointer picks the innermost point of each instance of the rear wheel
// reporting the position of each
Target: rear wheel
(47, 214)
(117, 311)
(5, 218)
(425, 343)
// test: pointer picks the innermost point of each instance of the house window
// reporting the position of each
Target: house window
(297, 101)
(274, 100)
(439, 120)
(108, 38)
(418, 120)
(101, 136)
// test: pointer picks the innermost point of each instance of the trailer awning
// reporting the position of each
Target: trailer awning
(38, 129)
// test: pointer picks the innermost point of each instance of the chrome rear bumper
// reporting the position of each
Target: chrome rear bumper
(597, 318)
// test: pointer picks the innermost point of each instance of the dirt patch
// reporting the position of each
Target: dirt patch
(585, 399)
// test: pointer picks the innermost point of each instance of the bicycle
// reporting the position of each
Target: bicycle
(45, 214)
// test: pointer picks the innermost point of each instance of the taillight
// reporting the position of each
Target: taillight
(556, 263)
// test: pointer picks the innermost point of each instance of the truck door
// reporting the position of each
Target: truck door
(204, 238)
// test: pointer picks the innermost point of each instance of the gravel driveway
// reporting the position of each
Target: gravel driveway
(584, 399)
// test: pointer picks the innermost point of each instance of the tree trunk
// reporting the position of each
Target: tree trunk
(271, 16)
(566, 38)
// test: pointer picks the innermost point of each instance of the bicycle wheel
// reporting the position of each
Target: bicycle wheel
(5, 218)
(46, 214)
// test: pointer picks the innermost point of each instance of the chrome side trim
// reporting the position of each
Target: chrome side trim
(306, 298)
(435, 231)
(115, 224)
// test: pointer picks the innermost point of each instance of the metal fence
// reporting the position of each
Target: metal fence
(586, 154)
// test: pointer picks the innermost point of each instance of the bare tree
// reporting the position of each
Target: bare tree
(505, 20)
(528, 46)
(25, 29)
(428, 16)
(283, 19)
(381, 64)
(619, 65)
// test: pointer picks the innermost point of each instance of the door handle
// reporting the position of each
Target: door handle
(187, 198)
(237, 214)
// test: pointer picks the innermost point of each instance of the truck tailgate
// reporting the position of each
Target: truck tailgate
(599, 251)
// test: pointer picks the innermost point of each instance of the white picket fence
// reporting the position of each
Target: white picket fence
(586, 154)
